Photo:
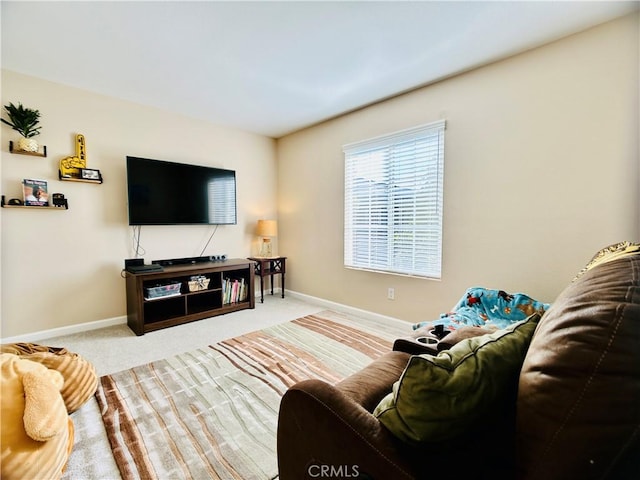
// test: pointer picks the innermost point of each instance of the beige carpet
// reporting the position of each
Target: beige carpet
(212, 412)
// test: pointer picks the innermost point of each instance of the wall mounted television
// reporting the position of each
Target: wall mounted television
(169, 193)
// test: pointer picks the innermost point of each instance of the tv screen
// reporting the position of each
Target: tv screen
(168, 193)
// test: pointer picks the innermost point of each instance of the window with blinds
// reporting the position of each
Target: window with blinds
(393, 202)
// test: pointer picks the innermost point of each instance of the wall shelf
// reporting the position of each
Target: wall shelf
(82, 180)
(36, 207)
(76, 179)
(3, 204)
(22, 152)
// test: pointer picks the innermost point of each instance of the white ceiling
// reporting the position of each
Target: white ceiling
(275, 67)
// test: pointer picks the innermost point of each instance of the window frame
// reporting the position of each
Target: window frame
(379, 247)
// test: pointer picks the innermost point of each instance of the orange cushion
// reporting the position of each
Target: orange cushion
(80, 379)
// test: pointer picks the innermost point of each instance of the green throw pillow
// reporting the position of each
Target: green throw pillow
(441, 397)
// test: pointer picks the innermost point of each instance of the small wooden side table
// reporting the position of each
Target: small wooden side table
(269, 266)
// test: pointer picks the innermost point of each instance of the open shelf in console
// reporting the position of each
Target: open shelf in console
(163, 309)
(204, 301)
(163, 299)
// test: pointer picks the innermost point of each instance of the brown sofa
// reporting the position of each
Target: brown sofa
(576, 414)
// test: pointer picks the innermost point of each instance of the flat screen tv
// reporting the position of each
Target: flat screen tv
(169, 193)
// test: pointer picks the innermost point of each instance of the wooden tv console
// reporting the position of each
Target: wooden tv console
(184, 305)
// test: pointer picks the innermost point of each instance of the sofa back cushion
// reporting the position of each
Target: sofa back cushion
(578, 409)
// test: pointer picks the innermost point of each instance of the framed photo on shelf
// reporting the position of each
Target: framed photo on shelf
(90, 174)
(35, 192)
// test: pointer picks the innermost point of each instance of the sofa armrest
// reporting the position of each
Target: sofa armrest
(372, 383)
(322, 430)
(424, 340)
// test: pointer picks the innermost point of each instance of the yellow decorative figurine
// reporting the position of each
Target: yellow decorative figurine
(70, 166)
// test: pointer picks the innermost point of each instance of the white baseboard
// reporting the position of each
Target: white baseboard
(345, 308)
(88, 326)
(70, 330)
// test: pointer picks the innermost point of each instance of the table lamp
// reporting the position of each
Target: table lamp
(267, 229)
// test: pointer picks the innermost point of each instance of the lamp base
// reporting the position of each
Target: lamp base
(266, 249)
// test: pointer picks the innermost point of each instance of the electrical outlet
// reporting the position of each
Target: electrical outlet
(391, 293)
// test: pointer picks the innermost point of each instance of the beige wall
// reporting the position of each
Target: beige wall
(541, 170)
(62, 268)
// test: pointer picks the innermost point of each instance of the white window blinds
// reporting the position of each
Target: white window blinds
(393, 202)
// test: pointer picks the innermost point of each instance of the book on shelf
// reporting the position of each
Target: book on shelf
(234, 290)
(35, 192)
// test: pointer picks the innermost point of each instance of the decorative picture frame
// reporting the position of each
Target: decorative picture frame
(90, 174)
(35, 192)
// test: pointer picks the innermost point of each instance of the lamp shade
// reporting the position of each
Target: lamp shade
(267, 228)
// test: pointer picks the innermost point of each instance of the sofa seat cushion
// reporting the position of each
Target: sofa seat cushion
(442, 397)
(578, 411)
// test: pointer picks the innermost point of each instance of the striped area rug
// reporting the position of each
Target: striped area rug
(212, 413)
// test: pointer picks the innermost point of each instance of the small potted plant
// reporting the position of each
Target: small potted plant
(25, 122)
